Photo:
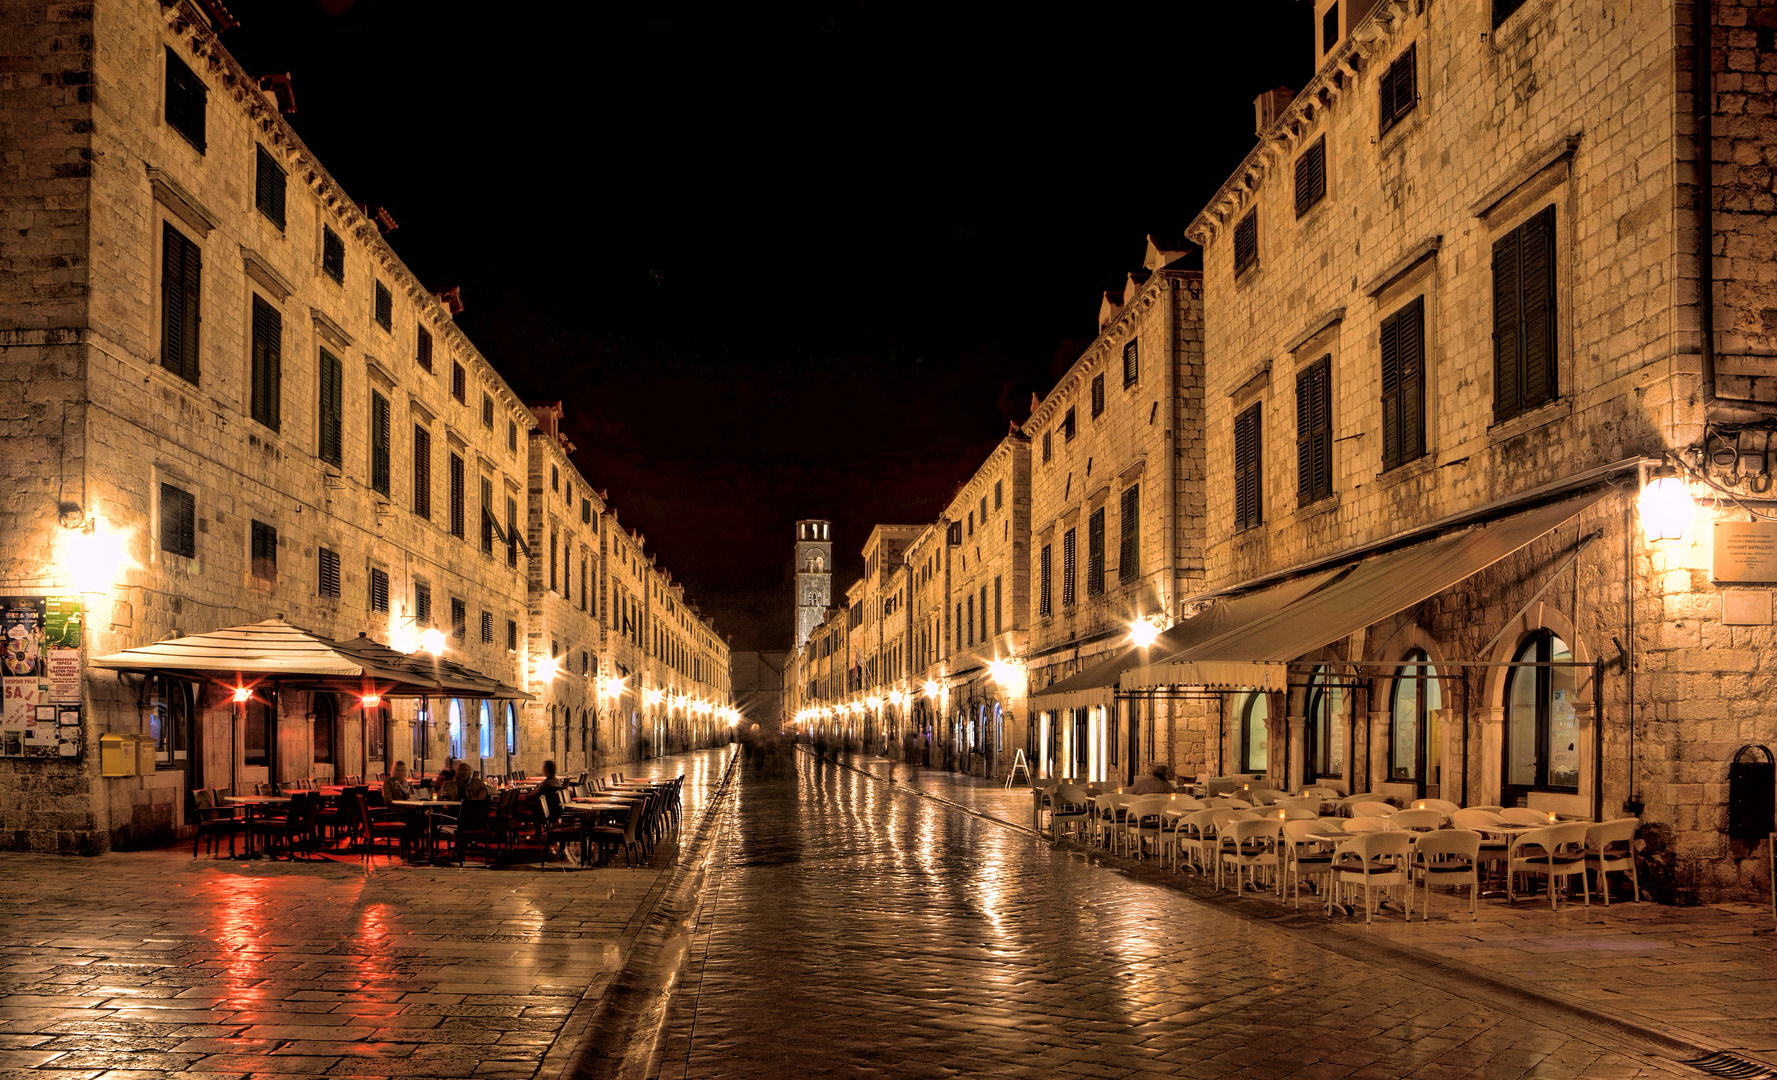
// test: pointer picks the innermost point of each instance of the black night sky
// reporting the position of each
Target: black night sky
(800, 263)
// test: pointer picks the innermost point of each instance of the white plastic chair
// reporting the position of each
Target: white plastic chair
(1249, 846)
(1142, 819)
(1194, 836)
(1068, 810)
(1373, 808)
(1107, 819)
(1379, 861)
(1305, 854)
(1449, 857)
(1416, 820)
(1610, 847)
(1479, 819)
(1552, 852)
(1357, 825)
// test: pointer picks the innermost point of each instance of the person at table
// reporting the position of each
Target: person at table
(463, 786)
(551, 782)
(445, 776)
(1153, 783)
(397, 786)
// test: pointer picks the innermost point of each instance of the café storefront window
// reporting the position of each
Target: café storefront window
(1542, 734)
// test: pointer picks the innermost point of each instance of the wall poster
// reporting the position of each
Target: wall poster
(40, 660)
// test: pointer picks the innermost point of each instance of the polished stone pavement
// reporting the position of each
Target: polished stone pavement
(852, 928)
(147, 964)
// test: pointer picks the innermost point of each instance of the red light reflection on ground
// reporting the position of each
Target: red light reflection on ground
(242, 922)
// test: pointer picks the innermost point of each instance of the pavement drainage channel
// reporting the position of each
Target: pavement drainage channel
(623, 1031)
(1421, 965)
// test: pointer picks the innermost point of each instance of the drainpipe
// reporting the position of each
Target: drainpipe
(1597, 740)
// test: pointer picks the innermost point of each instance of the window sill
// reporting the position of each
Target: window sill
(1548, 413)
(1388, 140)
(1420, 465)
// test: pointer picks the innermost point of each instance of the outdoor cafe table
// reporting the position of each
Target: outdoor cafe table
(427, 805)
(252, 802)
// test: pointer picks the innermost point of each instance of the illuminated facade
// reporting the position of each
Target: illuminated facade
(235, 402)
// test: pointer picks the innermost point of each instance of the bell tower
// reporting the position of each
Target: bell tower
(814, 577)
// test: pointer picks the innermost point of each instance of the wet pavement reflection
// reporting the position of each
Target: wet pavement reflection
(853, 930)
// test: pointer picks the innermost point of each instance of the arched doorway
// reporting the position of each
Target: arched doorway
(1542, 732)
(1415, 741)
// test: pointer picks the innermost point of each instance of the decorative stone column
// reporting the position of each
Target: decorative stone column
(1298, 744)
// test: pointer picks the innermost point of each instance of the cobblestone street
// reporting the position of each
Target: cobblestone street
(151, 963)
(851, 929)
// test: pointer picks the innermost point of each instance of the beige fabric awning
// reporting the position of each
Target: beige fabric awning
(262, 650)
(1097, 685)
(1256, 653)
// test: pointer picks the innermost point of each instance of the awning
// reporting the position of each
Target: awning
(1255, 654)
(431, 676)
(1096, 685)
(262, 650)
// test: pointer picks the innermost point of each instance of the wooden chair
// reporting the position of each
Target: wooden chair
(213, 821)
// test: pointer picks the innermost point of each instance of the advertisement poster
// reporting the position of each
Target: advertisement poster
(28, 719)
(64, 676)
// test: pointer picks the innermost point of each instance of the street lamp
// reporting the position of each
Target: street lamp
(1142, 633)
(1666, 507)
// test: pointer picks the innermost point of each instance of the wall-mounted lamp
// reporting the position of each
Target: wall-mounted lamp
(1666, 507)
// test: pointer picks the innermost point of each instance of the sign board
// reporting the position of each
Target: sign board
(1746, 607)
(1745, 552)
(40, 664)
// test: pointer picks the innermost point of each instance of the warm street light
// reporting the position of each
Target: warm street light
(1001, 671)
(370, 701)
(1666, 508)
(243, 694)
(545, 668)
(1142, 633)
(433, 641)
(932, 689)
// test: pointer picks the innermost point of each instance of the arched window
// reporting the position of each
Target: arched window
(1255, 733)
(511, 728)
(1326, 725)
(589, 731)
(486, 726)
(1414, 739)
(456, 727)
(1542, 736)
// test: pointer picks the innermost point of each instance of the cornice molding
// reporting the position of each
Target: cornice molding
(184, 205)
(1316, 327)
(1398, 269)
(261, 271)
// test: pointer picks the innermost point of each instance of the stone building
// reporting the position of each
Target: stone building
(1117, 525)
(987, 549)
(814, 577)
(1472, 290)
(228, 400)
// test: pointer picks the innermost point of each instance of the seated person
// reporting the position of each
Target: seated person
(463, 785)
(551, 782)
(397, 786)
(1154, 783)
(445, 776)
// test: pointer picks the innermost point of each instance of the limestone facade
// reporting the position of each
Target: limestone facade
(221, 374)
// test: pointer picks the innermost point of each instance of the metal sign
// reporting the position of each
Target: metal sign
(1745, 552)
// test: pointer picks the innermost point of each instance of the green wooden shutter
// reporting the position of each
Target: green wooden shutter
(181, 285)
(1536, 285)
(331, 440)
(1391, 391)
(422, 471)
(1411, 375)
(1248, 510)
(268, 334)
(379, 443)
(1507, 342)
(1095, 552)
(1128, 546)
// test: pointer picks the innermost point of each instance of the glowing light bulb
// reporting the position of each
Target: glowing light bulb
(433, 641)
(1142, 633)
(243, 694)
(1666, 508)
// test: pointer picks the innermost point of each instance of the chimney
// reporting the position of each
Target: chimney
(1267, 107)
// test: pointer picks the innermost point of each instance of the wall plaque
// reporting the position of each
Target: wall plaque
(1746, 607)
(1745, 551)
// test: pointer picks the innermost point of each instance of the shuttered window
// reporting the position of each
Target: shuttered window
(268, 348)
(984, 613)
(423, 348)
(998, 602)
(1314, 432)
(186, 99)
(264, 551)
(1248, 496)
(489, 526)
(333, 254)
(1524, 317)
(1131, 362)
(422, 603)
(379, 443)
(382, 305)
(332, 438)
(1246, 242)
(1311, 176)
(511, 635)
(1098, 394)
(1129, 535)
(459, 383)
(422, 471)
(459, 498)
(999, 494)
(1067, 425)
(328, 583)
(1043, 595)
(181, 280)
(487, 628)
(971, 619)
(511, 531)
(1095, 553)
(269, 183)
(178, 522)
(1403, 385)
(459, 619)
(1068, 565)
(487, 412)
(379, 590)
(1398, 90)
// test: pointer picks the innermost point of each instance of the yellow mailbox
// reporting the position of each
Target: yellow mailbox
(117, 754)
